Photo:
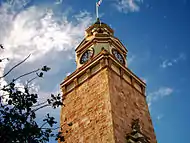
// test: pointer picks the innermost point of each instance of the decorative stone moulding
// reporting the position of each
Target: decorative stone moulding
(99, 62)
(136, 136)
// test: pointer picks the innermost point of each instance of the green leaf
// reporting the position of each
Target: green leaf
(40, 74)
(10, 102)
(7, 108)
(45, 68)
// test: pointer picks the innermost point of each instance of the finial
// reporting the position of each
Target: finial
(97, 20)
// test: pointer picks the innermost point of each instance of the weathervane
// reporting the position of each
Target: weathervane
(97, 6)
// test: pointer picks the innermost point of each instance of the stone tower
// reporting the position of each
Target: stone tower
(104, 100)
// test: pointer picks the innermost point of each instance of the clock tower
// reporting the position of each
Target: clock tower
(104, 100)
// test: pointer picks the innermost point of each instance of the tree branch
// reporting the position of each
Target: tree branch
(51, 128)
(40, 107)
(43, 125)
(34, 71)
(39, 104)
(4, 59)
(21, 77)
(15, 66)
(32, 79)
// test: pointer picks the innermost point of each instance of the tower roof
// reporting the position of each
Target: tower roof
(98, 24)
(92, 32)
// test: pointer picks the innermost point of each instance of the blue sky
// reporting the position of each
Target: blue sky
(155, 32)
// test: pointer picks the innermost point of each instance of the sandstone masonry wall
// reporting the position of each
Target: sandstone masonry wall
(101, 100)
(88, 108)
(127, 104)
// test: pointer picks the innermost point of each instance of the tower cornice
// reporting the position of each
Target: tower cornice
(99, 62)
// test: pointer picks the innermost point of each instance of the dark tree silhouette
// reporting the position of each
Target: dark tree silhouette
(18, 107)
(1, 46)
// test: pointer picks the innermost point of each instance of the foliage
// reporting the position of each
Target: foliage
(18, 107)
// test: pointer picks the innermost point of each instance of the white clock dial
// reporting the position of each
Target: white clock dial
(86, 56)
(118, 56)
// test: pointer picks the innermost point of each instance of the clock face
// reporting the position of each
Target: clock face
(86, 56)
(118, 56)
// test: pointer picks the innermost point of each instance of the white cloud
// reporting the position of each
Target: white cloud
(130, 59)
(37, 32)
(18, 3)
(159, 117)
(168, 63)
(160, 93)
(128, 5)
(58, 1)
(34, 30)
